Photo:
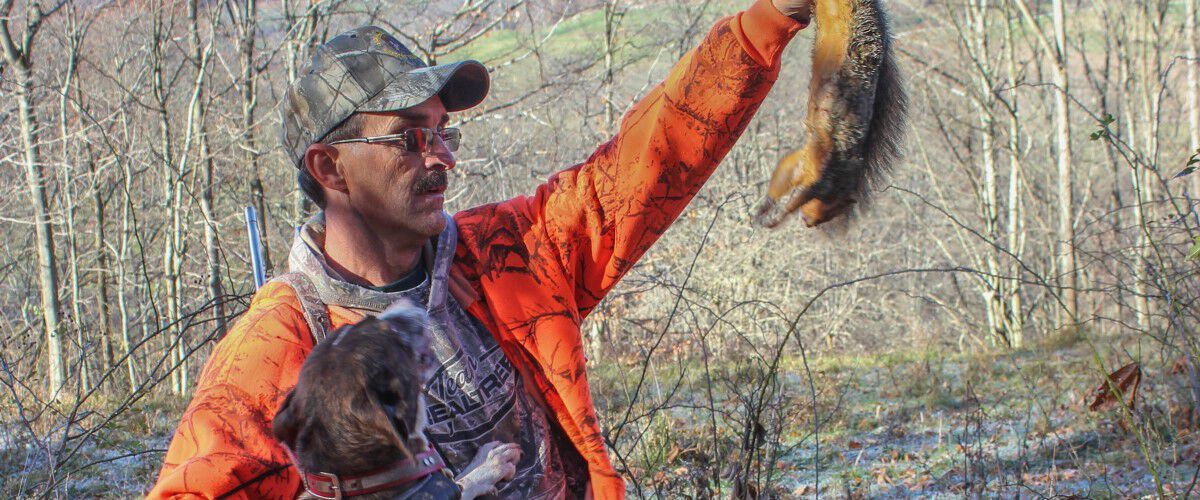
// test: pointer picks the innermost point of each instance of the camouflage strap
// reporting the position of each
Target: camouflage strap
(315, 313)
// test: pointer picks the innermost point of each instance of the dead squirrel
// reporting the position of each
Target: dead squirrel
(856, 110)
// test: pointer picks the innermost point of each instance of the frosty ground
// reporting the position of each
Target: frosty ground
(895, 425)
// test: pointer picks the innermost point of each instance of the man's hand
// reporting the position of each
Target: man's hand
(494, 462)
(800, 10)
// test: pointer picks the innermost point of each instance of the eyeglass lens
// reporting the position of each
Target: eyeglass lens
(420, 140)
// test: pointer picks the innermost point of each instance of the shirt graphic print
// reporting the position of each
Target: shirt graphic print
(476, 396)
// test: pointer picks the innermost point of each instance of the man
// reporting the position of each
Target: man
(506, 284)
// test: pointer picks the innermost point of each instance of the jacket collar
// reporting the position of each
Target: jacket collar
(307, 256)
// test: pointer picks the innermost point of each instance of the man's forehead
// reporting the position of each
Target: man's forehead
(380, 121)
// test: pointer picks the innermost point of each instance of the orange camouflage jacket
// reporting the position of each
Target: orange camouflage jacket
(538, 265)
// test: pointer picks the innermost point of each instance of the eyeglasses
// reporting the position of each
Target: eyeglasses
(414, 140)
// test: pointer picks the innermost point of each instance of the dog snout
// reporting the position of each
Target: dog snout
(403, 311)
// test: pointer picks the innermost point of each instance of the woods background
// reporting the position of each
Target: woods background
(949, 339)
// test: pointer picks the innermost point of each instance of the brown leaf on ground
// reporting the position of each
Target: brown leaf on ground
(854, 445)
(674, 453)
(1120, 385)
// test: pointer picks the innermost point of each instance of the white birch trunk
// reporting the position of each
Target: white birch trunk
(1015, 222)
(20, 70)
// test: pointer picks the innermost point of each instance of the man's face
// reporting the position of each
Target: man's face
(398, 193)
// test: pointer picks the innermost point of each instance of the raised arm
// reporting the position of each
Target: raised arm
(591, 222)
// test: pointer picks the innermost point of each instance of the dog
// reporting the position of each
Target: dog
(856, 111)
(354, 424)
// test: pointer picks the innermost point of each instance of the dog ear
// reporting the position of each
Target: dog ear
(397, 422)
(385, 398)
(288, 421)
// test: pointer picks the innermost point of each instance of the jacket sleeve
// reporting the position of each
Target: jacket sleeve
(224, 445)
(592, 221)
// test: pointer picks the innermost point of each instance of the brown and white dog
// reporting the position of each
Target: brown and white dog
(355, 421)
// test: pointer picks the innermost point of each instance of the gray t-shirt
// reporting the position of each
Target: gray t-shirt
(476, 396)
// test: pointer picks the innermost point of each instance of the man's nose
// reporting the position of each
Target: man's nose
(439, 157)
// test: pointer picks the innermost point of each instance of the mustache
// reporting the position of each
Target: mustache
(435, 180)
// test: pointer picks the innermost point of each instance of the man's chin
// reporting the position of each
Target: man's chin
(421, 222)
(436, 227)
(431, 223)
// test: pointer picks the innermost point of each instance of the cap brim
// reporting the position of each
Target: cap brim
(461, 85)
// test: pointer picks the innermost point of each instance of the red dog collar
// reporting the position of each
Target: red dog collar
(333, 487)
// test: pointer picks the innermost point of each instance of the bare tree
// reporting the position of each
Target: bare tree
(1193, 76)
(613, 14)
(207, 205)
(1065, 228)
(245, 18)
(301, 25)
(19, 53)
(1016, 235)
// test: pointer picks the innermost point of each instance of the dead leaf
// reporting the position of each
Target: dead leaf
(920, 482)
(1120, 385)
(854, 445)
(881, 477)
(674, 453)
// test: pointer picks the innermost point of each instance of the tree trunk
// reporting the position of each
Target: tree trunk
(100, 244)
(47, 270)
(123, 272)
(1066, 198)
(1016, 224)
(612, 18)
(248, 27)
(297, 48)
(68, 190)
(172, 332)
(1193, 86)
(211, 241)
(1151, 59)
(992, 284)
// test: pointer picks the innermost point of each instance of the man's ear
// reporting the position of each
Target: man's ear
(321, 162)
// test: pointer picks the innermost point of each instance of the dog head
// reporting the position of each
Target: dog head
(357, 403)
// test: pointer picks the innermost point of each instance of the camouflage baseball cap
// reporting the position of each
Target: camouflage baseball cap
(366, 69)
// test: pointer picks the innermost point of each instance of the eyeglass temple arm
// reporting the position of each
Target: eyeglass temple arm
(371, 140)
(385, 138)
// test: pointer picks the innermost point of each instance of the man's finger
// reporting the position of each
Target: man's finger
(498, 453)
(489, 448)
